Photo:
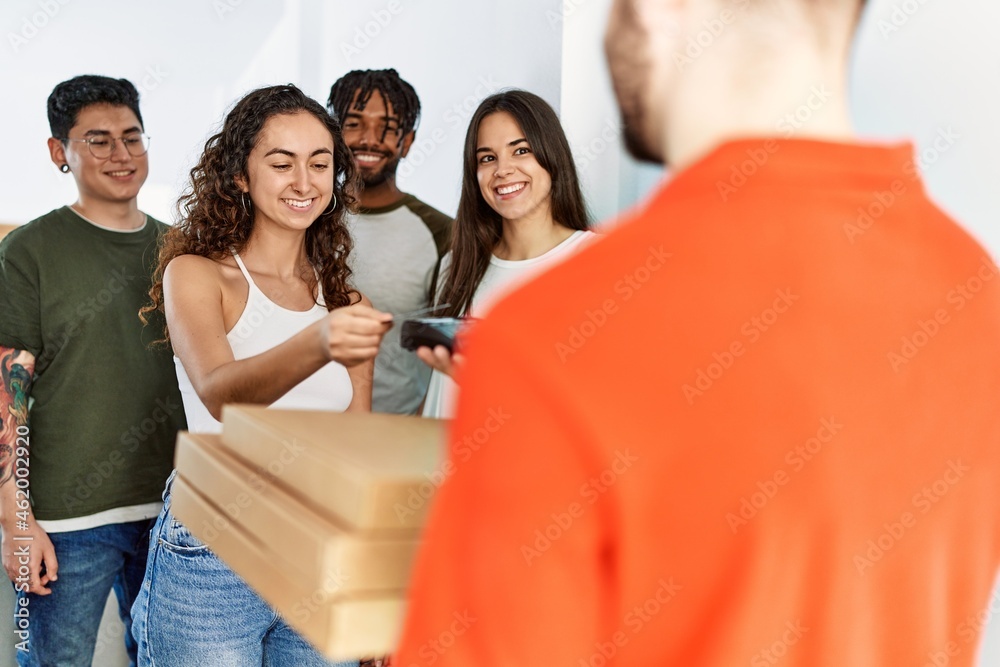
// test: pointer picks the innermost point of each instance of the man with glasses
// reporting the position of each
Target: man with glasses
(80, 484)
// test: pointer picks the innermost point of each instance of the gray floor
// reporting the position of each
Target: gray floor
(111, 653)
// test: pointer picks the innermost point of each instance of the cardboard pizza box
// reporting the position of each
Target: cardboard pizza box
(340, 625)
(370, 472)
(311, 544)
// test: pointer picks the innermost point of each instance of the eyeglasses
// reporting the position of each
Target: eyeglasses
(102, 146)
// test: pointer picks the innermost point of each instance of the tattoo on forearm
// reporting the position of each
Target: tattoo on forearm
(16, 370)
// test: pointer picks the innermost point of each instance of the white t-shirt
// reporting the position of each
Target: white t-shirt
(502, 277)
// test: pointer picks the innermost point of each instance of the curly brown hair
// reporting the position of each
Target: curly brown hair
(214, 220)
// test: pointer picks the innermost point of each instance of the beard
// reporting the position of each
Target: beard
(631, 104)
(638, 144)
(626, 44)
(373, 179)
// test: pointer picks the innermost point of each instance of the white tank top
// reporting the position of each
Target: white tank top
(263, 325)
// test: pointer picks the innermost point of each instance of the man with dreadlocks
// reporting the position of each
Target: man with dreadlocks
(398, 239)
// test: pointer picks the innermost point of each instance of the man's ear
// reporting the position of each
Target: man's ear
(57, 151)
(407, 142)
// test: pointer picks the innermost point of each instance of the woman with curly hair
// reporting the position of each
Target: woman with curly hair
(254, 284)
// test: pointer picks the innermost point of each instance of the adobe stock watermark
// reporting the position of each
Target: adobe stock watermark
(588, 153)
(924, 501)
(88, 481)
(944, 139)
(969, 630)
(591, 491)
(426, 142)
(900, 15)
(461, 453)
(290, 451)
(431, 651)
(712, 30)
(771, 655)
(635, 620)
(787, 126)
(752, 331)
(569, 7)
(956, 300)
(625, 288)
(224, 7)
(88, 309)
(797, 459)
(370, 30)
(33, 23)
(305, 607)
(883, 200)
(149, 80)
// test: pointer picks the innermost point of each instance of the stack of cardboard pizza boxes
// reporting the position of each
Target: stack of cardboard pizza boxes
(319, 512)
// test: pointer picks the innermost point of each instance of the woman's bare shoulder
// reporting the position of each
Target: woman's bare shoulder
(195, 270)
(198, 265)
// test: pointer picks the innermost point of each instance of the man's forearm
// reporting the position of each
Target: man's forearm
(16, 370)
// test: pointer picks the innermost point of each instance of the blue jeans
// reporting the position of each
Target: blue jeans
(194, 610)
(63, 626)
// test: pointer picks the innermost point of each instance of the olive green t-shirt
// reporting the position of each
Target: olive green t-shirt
(106, 408)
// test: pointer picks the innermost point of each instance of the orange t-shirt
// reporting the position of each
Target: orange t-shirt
(758, 424)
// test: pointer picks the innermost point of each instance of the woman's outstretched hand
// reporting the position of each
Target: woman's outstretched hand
(351, 335)
(441, 359)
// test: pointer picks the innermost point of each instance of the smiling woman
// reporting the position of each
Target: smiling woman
(521, 211)
(254, 285)
(289, 173)
(511, 180)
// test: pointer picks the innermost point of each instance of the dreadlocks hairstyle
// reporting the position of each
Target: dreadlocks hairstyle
(214, 221)
(393, 89)
(478, 228)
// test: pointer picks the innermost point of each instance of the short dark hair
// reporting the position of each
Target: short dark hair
(69, 97)
(393, 89)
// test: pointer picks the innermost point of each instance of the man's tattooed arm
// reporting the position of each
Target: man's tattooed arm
(17, 367)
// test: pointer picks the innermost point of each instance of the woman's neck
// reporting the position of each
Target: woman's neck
(277, 253)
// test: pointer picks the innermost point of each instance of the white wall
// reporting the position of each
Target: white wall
(611, 180)
(920, 67)
(193, 58)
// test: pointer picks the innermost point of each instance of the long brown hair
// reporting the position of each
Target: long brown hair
(478, 228)
(215, 220)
